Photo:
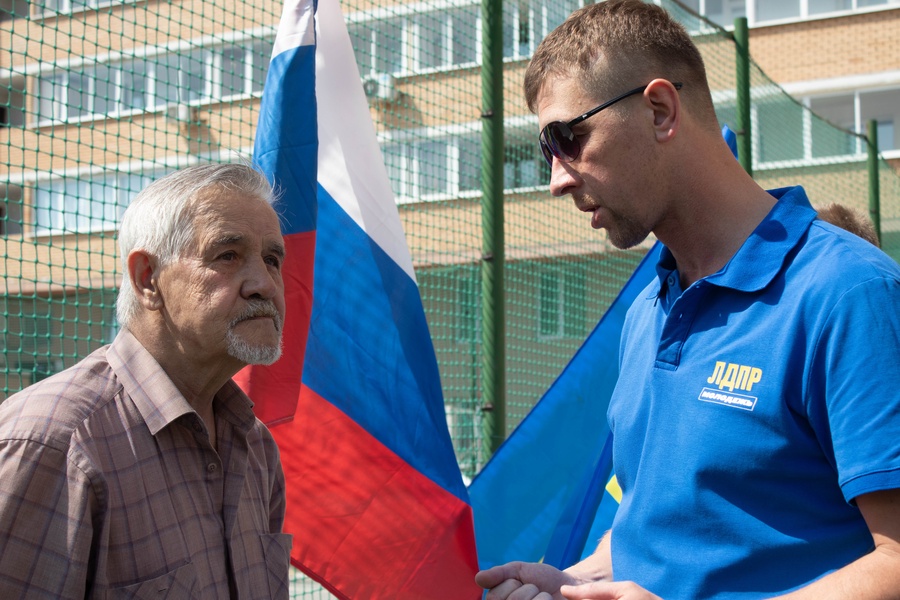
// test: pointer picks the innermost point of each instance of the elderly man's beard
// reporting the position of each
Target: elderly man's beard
(246, 352)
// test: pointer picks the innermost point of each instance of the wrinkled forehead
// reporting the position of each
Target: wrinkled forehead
(222, 210)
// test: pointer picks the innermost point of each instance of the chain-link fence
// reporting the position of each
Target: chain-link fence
(99, 97)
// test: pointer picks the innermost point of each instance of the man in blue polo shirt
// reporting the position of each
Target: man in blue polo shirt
(756, 417)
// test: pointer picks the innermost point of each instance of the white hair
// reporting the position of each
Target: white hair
(160, 220)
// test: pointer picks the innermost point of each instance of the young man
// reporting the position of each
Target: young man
(142, 470)
(755, 419)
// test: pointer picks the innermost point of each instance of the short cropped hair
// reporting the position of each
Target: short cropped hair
(854, 221)
(617, 45)
(161, 219)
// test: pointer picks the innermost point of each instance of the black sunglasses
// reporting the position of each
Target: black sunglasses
(557, 138)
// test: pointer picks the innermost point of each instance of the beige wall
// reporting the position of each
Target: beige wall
(831, 47)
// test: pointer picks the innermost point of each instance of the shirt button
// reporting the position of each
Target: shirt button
(211, 467)
(197, 426)
(671, 280)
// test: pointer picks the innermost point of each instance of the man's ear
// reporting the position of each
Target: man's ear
(143, 272)
(665, 102)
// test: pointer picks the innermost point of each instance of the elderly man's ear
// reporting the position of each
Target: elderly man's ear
(143, 271)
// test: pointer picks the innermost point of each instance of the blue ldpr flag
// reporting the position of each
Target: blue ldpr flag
(537, 497)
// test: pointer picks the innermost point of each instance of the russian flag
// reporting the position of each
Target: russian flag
(376, 501)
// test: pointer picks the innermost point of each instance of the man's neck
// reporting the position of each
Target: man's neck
(713, 225)
(198, 381)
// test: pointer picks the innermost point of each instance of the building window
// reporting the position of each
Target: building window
(201, 75)
(468, 164)
(432, 41)
(883, 107)
(86, 204)
(784, 130)
(425, 169)
(724, 12)
(48, 8)
(442, 38)
(234, 72)
(432, 164)
(437, 39)
(886, 135)
(561, 302)
(527, 22)
(10, 209)
(770, 10)
(829, 114)
(463, 24)
(780, 130)
(721, 12)
(134, 89)
(524, 166)
(378, 45)
(467, 317)
(440, 167)
(35, 322)
(826, 6)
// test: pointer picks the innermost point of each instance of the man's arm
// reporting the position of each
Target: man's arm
(45, 528)
(597, 566)
(875, 576)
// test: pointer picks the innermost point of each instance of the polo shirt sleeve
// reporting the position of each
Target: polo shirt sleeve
(857, 373)
(46, 504)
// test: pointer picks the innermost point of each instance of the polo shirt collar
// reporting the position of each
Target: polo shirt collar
(762, 256)
(155, 395)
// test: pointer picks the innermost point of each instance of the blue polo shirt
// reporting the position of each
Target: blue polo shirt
(752, 407)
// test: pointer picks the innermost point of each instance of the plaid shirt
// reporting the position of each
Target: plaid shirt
(109, 487)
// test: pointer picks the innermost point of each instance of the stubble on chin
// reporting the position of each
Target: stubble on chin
(626, 233)
(622, 232)
(255, 354)
(250, 354)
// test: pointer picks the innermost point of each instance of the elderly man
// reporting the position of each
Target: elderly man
(755, 417)
(142, 471)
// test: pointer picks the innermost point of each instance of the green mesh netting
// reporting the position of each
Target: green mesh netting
(100, 97)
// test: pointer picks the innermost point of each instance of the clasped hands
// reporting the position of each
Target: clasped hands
(538, 581)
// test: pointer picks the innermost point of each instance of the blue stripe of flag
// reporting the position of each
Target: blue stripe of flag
(286, 146)
(369, 324)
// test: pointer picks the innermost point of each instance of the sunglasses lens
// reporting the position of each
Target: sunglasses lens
(548, 154)
(559, 141)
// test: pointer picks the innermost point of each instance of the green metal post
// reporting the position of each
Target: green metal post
(493, 338)
(874, 184)
(742, 75)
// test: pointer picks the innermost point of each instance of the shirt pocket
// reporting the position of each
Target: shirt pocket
(277, 552)
(179, 583)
